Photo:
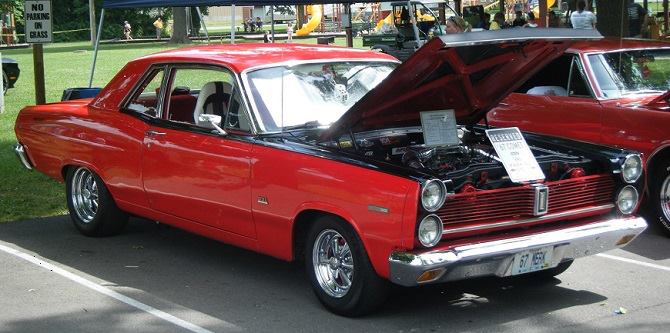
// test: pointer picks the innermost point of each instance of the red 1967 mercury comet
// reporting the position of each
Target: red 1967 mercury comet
(367, 170)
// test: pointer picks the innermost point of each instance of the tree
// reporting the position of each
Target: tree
(179, 33)
(612, 18)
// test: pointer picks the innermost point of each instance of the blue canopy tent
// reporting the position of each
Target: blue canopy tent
(111, 4)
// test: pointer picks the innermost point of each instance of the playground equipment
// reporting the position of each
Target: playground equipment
(410, 32)
(536, 9)
(314, 21)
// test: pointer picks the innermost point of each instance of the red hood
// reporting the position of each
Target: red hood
(469, 73)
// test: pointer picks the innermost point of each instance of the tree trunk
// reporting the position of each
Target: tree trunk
(612, 18)
(179, 35)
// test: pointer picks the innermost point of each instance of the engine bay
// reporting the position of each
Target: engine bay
(469, 166)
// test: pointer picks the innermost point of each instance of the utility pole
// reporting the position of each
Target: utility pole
(91, 17)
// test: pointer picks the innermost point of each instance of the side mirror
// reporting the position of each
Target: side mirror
(214, 120)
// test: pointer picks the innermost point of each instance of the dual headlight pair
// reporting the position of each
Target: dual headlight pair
(631, 170)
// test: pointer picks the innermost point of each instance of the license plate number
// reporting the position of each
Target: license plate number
(532, 260)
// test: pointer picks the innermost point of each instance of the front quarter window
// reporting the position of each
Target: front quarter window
(313, 93)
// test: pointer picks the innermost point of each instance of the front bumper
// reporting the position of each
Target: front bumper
(495, 257)
(20, 152)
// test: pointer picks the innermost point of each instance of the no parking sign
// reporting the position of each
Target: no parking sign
(38, 21)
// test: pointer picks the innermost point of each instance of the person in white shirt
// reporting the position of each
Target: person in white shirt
(582, 18)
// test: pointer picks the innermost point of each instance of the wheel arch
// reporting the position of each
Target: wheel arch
(302, 223)
(654, 160)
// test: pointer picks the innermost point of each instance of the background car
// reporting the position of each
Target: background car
(336, 157)
(10, 73)
(611, 92)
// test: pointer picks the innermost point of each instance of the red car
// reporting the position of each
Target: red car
(610, 92)
(341, 158)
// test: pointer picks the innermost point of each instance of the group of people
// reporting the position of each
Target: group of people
(251, 25)
(128, 29)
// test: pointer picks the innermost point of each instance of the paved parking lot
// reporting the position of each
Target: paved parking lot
(155, 278)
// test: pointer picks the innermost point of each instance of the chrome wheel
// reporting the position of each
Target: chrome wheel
(84, 195)
(665, 198)
(333, 263)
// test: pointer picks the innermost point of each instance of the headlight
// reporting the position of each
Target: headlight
(627, 199)
(430, 230)
(631, 168)
(433, 194)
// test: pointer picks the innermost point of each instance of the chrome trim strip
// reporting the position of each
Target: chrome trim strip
(531, 220)
(378, 209)
(495, 258)
(23, 156)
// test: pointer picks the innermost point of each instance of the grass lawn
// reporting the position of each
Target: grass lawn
(28, 194)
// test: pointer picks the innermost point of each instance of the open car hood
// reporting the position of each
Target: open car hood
(469, 73)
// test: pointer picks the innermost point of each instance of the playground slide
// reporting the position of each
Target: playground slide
(388, 20)
(312, 23)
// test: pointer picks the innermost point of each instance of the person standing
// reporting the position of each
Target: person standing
(582, 18)
(158, 24)
(531, 21)
(498, 21)
(289, 32)
(127, 29)
(637, 19)
(519, 21)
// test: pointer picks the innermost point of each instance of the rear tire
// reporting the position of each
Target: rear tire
(92, 209)
(659, 198)
(338, 267)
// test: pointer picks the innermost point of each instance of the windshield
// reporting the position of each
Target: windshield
(632, 72)
(314, 94)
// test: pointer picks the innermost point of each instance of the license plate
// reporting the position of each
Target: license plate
(532, 260)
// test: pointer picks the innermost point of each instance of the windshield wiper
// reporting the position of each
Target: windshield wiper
(641, 91)
(312, 124)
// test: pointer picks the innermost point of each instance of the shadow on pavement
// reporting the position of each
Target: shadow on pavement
(261, 294)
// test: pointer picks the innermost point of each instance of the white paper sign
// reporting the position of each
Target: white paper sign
(516, 157)
(37, 14)
(439, 128)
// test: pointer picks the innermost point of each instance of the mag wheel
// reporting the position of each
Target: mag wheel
(92, 209)
(339, 269)
(659, 184)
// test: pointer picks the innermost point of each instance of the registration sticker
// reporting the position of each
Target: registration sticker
(515, 155)
(532, 260)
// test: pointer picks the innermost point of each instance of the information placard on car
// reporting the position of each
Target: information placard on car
(516, 157)
(439, 128)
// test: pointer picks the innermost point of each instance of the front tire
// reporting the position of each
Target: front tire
(659, 185)
(338, 267)
(92, 209)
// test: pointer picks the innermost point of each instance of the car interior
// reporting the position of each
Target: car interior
(562, 77)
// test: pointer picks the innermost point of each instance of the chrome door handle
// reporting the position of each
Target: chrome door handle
(151, 134)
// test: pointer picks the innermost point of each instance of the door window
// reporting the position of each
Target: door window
(200, 91)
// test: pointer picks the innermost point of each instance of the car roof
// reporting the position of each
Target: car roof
(240, 57)
(611, 44)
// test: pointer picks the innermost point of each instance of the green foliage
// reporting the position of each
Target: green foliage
(283, 10)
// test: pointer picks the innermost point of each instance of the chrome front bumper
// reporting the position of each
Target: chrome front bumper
(23, 157)
(495, 257)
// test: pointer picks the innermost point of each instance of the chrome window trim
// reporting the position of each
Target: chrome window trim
(595, 83)
(568, 213)
(245, 78)
(152, 68)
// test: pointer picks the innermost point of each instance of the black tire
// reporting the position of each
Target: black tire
(92, 209)
(366, 291)
(659, 196)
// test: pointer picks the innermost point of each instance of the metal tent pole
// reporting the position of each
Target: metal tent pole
(97, 44)
(272, 18)
(202, 20)
(232, 24)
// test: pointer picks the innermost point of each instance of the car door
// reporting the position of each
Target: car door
(557, 101)
(191, 171)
